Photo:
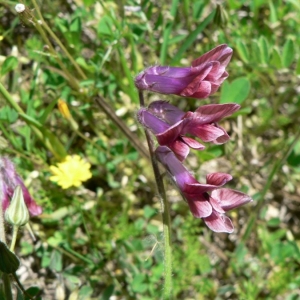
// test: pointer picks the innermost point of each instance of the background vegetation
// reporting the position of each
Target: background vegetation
(104, 238)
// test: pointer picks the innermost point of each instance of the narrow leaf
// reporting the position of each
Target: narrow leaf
(288, 53)
(276, 58)
(243, 51)
(9, 64)
(264, 50)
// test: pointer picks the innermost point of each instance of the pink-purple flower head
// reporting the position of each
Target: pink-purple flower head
(171, 125)
(200, 80)
(9, 180)
(207, 201)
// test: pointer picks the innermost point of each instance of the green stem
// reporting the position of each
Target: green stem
(260, 202)
(57, 40)
(7, 287)
(69, 76)
(14, 238)
(165, 212)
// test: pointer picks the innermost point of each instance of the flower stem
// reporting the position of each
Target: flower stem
(14, 238)
(165, 212)
(5, 277)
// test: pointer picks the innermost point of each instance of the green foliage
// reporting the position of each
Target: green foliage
(103, 239)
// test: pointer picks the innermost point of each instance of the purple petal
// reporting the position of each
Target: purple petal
(206, 132)
(150, 121)
(180, 149)
(174, 166)
(166, 111)
(230, 199)
(200, 208)
(192, 143)
(33, 208)
(213, 113)
(4, 194)
(221, 53)
(216, 205)
(218, 179)
(223, 138)
(194, 189)
(170, 134)
(219, 223)
(197, 89)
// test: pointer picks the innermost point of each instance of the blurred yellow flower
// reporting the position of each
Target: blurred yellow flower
(71, 172)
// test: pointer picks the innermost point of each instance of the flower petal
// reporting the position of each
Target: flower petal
(230, 199)
(218, 179)
(219, 223)
(200, 208)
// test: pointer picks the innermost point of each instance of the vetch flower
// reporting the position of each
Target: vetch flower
(168, 135)
(200, 80)
(71, 172)
(171, 125)
(207, 201)
(9, 180)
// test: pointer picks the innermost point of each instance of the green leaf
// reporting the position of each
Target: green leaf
(107, 293)
(9, 262)
(235, 92)
(149, 212)
(85, 293)
(138, 284)
(8, 114)
(298, 67)
(75, 25)
(44, 115)
(288, 53)
(105, 26)
(243, 51)
(255, 51)
(264, 50)
(9, 64)
(56, 261)
(276, 58)
(273, 14)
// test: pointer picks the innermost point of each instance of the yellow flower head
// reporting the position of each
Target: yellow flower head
(71, 172)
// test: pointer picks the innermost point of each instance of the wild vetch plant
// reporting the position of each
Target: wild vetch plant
(173, 129)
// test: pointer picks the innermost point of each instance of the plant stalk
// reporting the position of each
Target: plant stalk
(165, 212)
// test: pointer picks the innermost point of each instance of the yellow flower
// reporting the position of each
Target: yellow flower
(71, 172)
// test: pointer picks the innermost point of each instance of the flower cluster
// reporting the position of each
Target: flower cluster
(173, 129)
(9, 181)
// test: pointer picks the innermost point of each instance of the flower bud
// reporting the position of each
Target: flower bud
(25, 14)
(221, 16)
(64, 110)
(17, 213)
(200, 80)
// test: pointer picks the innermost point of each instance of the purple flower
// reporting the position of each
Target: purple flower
(200, 80)
(168, 135)
(207, 201)
(9, 180)
(170, 125)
